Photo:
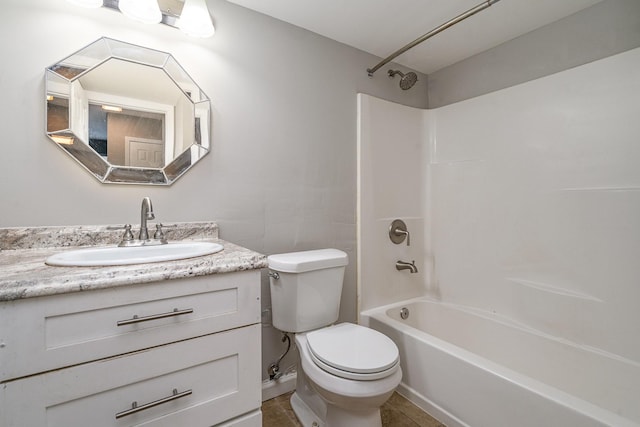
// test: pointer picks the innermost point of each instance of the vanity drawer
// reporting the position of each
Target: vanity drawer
(218, 370)
(40, 334)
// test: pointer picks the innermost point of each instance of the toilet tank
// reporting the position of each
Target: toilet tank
(306, 294)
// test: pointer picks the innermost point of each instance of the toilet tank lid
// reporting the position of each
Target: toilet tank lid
(299, 262)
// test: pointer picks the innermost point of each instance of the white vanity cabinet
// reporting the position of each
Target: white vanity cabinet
(180, 353)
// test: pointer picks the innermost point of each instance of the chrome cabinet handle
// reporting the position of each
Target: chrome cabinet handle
(136, 319)
(135, 408)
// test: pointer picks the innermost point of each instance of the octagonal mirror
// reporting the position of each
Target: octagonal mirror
(128, 114)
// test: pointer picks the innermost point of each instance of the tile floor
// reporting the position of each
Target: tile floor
(397, 412)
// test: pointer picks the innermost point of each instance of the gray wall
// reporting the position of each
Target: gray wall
(607, 28)
(282, 172)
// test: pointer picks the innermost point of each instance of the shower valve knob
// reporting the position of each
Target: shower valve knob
(398, 232)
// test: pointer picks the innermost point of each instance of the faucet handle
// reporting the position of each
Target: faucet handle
(128, 235)
(398, 232)
(159, 234)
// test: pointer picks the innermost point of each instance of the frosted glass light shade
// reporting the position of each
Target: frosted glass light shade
(146, 11)
(86, 3)
(195, 19)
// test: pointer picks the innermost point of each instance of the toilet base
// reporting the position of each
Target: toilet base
(338, 417)
(306, 416)
(335, 416)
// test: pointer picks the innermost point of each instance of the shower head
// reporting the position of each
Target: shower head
(406, 80)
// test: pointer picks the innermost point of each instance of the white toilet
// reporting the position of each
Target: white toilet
(345, 371)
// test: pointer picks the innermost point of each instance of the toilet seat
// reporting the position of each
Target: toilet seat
(353, 352)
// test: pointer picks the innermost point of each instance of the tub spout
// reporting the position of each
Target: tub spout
(402, 265)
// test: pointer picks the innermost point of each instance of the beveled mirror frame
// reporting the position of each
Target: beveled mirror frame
(187, 132)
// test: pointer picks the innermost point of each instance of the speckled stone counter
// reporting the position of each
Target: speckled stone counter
(24, 274)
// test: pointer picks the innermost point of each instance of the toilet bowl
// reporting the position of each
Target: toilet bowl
(345, 371)
(352, 385)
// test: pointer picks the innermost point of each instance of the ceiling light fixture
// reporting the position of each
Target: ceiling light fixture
(87, 3)
(146, 11)
(190, 16)
(195, 20)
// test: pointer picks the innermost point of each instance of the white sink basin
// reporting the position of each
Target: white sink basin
(93, 257)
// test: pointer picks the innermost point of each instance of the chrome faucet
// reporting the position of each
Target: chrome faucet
(401, 265)
(146, 212)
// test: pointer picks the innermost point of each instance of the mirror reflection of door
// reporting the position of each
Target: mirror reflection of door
(147, 129)
(145, 153)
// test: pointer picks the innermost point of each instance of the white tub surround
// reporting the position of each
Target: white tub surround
(80, 345)
(522, 204)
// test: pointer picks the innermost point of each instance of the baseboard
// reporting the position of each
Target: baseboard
(274, 388)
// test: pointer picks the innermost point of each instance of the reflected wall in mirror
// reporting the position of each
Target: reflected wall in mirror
(128, 114)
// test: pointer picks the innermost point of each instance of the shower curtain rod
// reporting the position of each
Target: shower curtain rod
(450, 23)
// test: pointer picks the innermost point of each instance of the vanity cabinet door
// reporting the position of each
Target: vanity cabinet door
(218, 375)
(40, 334)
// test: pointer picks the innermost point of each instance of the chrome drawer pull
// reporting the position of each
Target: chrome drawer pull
(135, 408)
(136, 319)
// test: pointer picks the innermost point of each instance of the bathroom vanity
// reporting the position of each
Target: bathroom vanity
(173, 343)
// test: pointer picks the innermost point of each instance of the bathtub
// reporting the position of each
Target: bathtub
(472, 368)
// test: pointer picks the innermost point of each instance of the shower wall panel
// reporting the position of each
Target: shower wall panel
(392, 177)
(536, 203)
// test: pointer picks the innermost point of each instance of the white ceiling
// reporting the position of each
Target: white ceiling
(381, 27)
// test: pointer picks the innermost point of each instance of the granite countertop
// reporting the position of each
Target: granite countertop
(23, 273)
